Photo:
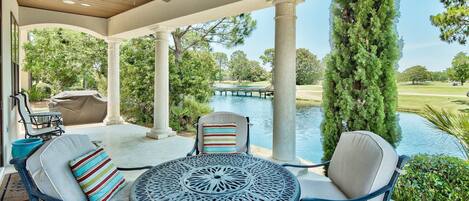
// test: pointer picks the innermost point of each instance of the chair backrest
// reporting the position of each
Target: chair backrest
(26, 101)
(362, 163)
(24, 113)
(242, 128)
(50, 170)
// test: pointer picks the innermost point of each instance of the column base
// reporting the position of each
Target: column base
(157, 134)
(113, 121)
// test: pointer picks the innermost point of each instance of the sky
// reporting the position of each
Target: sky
(422, 45)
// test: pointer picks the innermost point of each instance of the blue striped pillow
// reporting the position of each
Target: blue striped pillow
(219, 138)
(98, 177)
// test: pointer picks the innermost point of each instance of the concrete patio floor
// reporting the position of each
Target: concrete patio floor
(128, 146)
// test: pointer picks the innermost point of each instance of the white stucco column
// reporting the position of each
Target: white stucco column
(161, 127)
(113, 82)
(284, 137)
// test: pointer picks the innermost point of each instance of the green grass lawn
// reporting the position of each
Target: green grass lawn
(412, 98)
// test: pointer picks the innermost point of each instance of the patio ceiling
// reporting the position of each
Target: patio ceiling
(95, 8)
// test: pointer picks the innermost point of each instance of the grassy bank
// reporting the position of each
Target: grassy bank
(412, 98)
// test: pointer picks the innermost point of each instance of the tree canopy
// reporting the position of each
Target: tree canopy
(416, 74)
(454, 21)
(241, 68)
(309, 69)
(459, 70)
(64, 59)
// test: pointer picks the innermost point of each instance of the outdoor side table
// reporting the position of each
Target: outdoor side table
(216, 177)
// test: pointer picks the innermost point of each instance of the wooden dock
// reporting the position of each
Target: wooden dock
(262, 92)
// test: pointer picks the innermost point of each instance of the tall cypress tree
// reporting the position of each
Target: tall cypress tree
(360, 88)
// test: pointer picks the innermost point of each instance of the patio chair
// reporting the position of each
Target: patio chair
(27, 121)
(363, 167)
(242, 130)
(41, 119)
(46, 174)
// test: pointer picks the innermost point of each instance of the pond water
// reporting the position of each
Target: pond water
(417, 135)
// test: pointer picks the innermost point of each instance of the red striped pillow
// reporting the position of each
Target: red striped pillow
(98, 177)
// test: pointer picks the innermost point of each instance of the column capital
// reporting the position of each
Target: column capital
(287, 1)
(113, 40)
(162, 28)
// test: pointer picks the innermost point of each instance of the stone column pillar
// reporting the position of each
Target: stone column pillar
(161, 127)
(113, 82)
(284, 137)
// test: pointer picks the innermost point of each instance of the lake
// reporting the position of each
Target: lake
(417, 135)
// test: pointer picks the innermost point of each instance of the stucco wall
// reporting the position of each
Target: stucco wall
(9, 116)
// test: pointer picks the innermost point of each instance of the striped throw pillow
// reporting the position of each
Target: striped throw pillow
(98, 177)
(219, 138)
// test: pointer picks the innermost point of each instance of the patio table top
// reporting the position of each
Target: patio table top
(216, 177)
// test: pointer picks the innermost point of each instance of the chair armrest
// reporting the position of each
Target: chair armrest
(134, 168)
(305, 166)
(372, 195)
(42, 114)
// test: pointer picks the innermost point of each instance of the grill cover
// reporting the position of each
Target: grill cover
(79, 107)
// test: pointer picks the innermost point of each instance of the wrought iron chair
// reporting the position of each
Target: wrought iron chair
(42, 119)
(242, 130)
(30, 175)
(27, 120)
(363, 167)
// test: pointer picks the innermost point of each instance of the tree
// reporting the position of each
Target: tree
(454, 22)
(441, 76)
(268, 58)
(227, 31)
(222, 62)
(256, 73)
(191, 79)
(308, 67)
(416, 74)
(460, 68)
(359, 87)
(239, 65)
(63, 58)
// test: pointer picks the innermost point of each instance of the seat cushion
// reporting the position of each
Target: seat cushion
(362, 163)
(97, 175)
(50, 170)
(317, 186)
(219, 138)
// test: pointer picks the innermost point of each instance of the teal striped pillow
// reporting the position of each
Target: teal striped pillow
(219, 138)
(98, 177)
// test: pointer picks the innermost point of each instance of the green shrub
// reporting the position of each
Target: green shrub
(39, 92)
(437, 177)
(183, 118)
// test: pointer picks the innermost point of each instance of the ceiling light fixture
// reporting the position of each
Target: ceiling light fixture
(68, 1)
(85, 4)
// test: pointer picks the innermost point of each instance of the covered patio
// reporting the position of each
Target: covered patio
(153, 18)
(136, 146)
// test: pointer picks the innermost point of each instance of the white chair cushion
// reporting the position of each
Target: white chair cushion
(124, 193)
(362, 163)
(49, 167)
(317, 186)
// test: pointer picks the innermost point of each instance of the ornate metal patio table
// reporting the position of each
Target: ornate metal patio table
(216, 177)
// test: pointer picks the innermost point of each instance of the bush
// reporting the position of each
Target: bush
(434, 178)
(183, 118)
(39, 92)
